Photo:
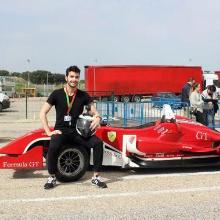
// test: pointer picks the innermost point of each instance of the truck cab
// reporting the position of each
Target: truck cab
(210, 78)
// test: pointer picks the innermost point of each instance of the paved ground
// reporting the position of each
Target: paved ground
(131, 194)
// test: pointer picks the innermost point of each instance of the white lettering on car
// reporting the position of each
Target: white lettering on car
(161, 130)
(201, 135)
(112, 154)
(31, 164)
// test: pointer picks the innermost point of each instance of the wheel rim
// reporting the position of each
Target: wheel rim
(70, 162)
(116, 99)
(126, 99)
(137, 99)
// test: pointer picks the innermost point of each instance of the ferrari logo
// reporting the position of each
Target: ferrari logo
(111, 136)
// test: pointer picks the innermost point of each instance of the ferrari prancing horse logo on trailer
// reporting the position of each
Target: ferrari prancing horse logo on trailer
(111, 136)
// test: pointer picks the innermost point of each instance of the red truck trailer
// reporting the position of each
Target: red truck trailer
(132, 82)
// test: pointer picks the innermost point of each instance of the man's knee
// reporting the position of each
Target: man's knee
(97, 141)
(55, 141)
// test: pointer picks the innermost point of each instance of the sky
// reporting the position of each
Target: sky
(53, 34)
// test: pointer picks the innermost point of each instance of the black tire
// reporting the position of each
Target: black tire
(125, 99)
(72, 163)
(137, 98)
(1, 107)
(116, 98)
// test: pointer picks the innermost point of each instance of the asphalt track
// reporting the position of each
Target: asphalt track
(146, 194)
(131, 194)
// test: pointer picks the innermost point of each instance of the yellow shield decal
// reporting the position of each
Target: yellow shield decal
(111, 136)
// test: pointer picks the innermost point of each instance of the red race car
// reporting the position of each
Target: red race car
(178, 142)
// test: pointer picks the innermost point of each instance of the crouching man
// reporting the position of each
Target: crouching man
(69, 103)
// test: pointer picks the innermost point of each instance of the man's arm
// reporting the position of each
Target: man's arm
(43, 117)
(96, 117)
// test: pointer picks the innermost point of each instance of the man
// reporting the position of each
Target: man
(210, 108)
(69, 103)
(186, 90)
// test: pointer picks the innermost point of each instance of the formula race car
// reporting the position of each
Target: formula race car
(170, 141)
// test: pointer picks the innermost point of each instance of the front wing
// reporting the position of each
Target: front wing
(32, 159)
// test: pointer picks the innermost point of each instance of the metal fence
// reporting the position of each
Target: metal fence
(115, 113)
(132, 114)
(129, 114)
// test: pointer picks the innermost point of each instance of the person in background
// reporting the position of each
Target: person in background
(186, 90)
(196, 103)
(210, 98)
(69, 103)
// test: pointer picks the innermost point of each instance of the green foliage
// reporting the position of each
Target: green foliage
(4, 73)
(44, 77)
(38, 77)
(16, 74)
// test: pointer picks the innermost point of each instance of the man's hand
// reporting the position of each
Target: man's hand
(50, 133)
(210, 104)
(95, 123)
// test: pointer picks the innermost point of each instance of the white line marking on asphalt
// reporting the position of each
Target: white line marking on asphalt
(111, 195)
(141, 176)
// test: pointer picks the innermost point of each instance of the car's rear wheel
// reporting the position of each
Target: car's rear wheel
(116, 98)
(72, 163)
(125, 98)
(137, 98)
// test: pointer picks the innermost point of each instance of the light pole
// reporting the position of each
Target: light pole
(190, 61)
(47, 83)
(28, 61)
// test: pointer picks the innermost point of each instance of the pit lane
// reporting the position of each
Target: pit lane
(131, 194)
(146, 194)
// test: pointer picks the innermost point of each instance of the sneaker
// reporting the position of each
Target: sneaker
(96, 181)
(51, 182)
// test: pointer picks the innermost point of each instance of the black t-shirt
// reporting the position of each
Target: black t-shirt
(58, 99)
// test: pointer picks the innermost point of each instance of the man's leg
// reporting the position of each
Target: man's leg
(200, 117)
(55, 143)
(97, 145)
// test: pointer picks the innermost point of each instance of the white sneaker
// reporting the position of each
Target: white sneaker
(96, 181)
(51, 183)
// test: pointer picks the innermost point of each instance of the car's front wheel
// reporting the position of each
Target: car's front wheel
(72, 163)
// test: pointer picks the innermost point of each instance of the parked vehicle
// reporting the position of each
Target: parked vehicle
(4, 101)
(133, 82)
(164, 143)
(161, 98)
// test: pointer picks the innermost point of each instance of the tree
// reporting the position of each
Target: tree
(59, 78)
(4, 73)
(37, 77)
(16, 74)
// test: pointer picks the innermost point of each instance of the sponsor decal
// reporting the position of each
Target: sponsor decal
(30, 164)
(201, 135)
(187, 147)
(161, 130)
(111, 136)
(159, 155)
(108, 153)
(131, 139)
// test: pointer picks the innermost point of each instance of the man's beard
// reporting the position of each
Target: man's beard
(72, 86)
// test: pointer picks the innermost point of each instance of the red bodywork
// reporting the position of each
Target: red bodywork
(183, 139)
(138, 79)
